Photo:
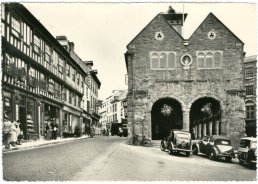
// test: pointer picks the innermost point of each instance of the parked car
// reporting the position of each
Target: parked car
(247, 151)
(178, 141)
(215, 146)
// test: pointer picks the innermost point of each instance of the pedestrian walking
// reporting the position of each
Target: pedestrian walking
(54, 128)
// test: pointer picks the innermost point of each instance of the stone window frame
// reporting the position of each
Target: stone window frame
(160, 53)
(249, 90)
(250, 110)
(205, 55)
(249, 73)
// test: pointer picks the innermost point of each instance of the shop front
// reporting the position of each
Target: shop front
(71, 120)
(22, 108)
(50, 115)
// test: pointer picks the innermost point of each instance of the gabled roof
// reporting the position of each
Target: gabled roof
(211, 14)
(162, 16)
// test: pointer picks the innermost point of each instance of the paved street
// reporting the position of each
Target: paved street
(103, 158)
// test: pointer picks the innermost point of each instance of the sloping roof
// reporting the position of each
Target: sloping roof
(211, 14)
(163, 18)
(250, 58)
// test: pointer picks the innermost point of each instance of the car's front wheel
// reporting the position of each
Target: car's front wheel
(212, 155)
(195, 150)
(170, 151)
(187, 154)
(162, 146)
(228, 159)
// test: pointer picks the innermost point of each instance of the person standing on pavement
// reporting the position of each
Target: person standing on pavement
(19, 133)
(6, 129)
(54, 128)
(12, 137)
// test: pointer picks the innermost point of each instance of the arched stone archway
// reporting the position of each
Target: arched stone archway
(166, 114)
(205, 117)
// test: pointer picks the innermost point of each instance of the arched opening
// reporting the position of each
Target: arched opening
(205, 117)
(166, 114)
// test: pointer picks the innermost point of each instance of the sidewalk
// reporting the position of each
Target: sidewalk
(38, 143)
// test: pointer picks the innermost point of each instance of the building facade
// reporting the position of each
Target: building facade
(113, 111)
(250, 79)
(192, 84)
(41, 82)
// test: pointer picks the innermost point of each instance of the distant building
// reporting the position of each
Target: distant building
(250, 79)
(192, 84)
(114, 110)
(90, 84)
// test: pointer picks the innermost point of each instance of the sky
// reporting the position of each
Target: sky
(101, 31)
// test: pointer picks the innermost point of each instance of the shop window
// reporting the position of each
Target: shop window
(30, 116)
(249, 73)
(249, 90)
(16, 27)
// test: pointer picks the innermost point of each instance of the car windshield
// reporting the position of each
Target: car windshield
(183, 136)
(222, 142)
(244, 143)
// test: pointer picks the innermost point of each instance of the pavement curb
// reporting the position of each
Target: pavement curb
(40, 144)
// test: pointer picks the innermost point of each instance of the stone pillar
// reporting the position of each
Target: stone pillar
(204, 129)
(210, 128)
(186, 120)
(217, 127)
(199, 131)
(195, 132)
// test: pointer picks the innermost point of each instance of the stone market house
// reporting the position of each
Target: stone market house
(193, 84)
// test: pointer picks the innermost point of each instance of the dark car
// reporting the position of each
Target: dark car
(178, 141)
(247, 151)
(215, 146)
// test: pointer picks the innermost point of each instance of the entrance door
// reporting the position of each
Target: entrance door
(22, 118)
(166, 114)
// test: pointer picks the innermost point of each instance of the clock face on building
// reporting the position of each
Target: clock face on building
(159, 35)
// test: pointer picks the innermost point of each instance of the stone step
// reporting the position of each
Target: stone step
(156, 143)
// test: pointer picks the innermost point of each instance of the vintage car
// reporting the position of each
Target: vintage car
(247, 151)
(178, 141)
(215, 146)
